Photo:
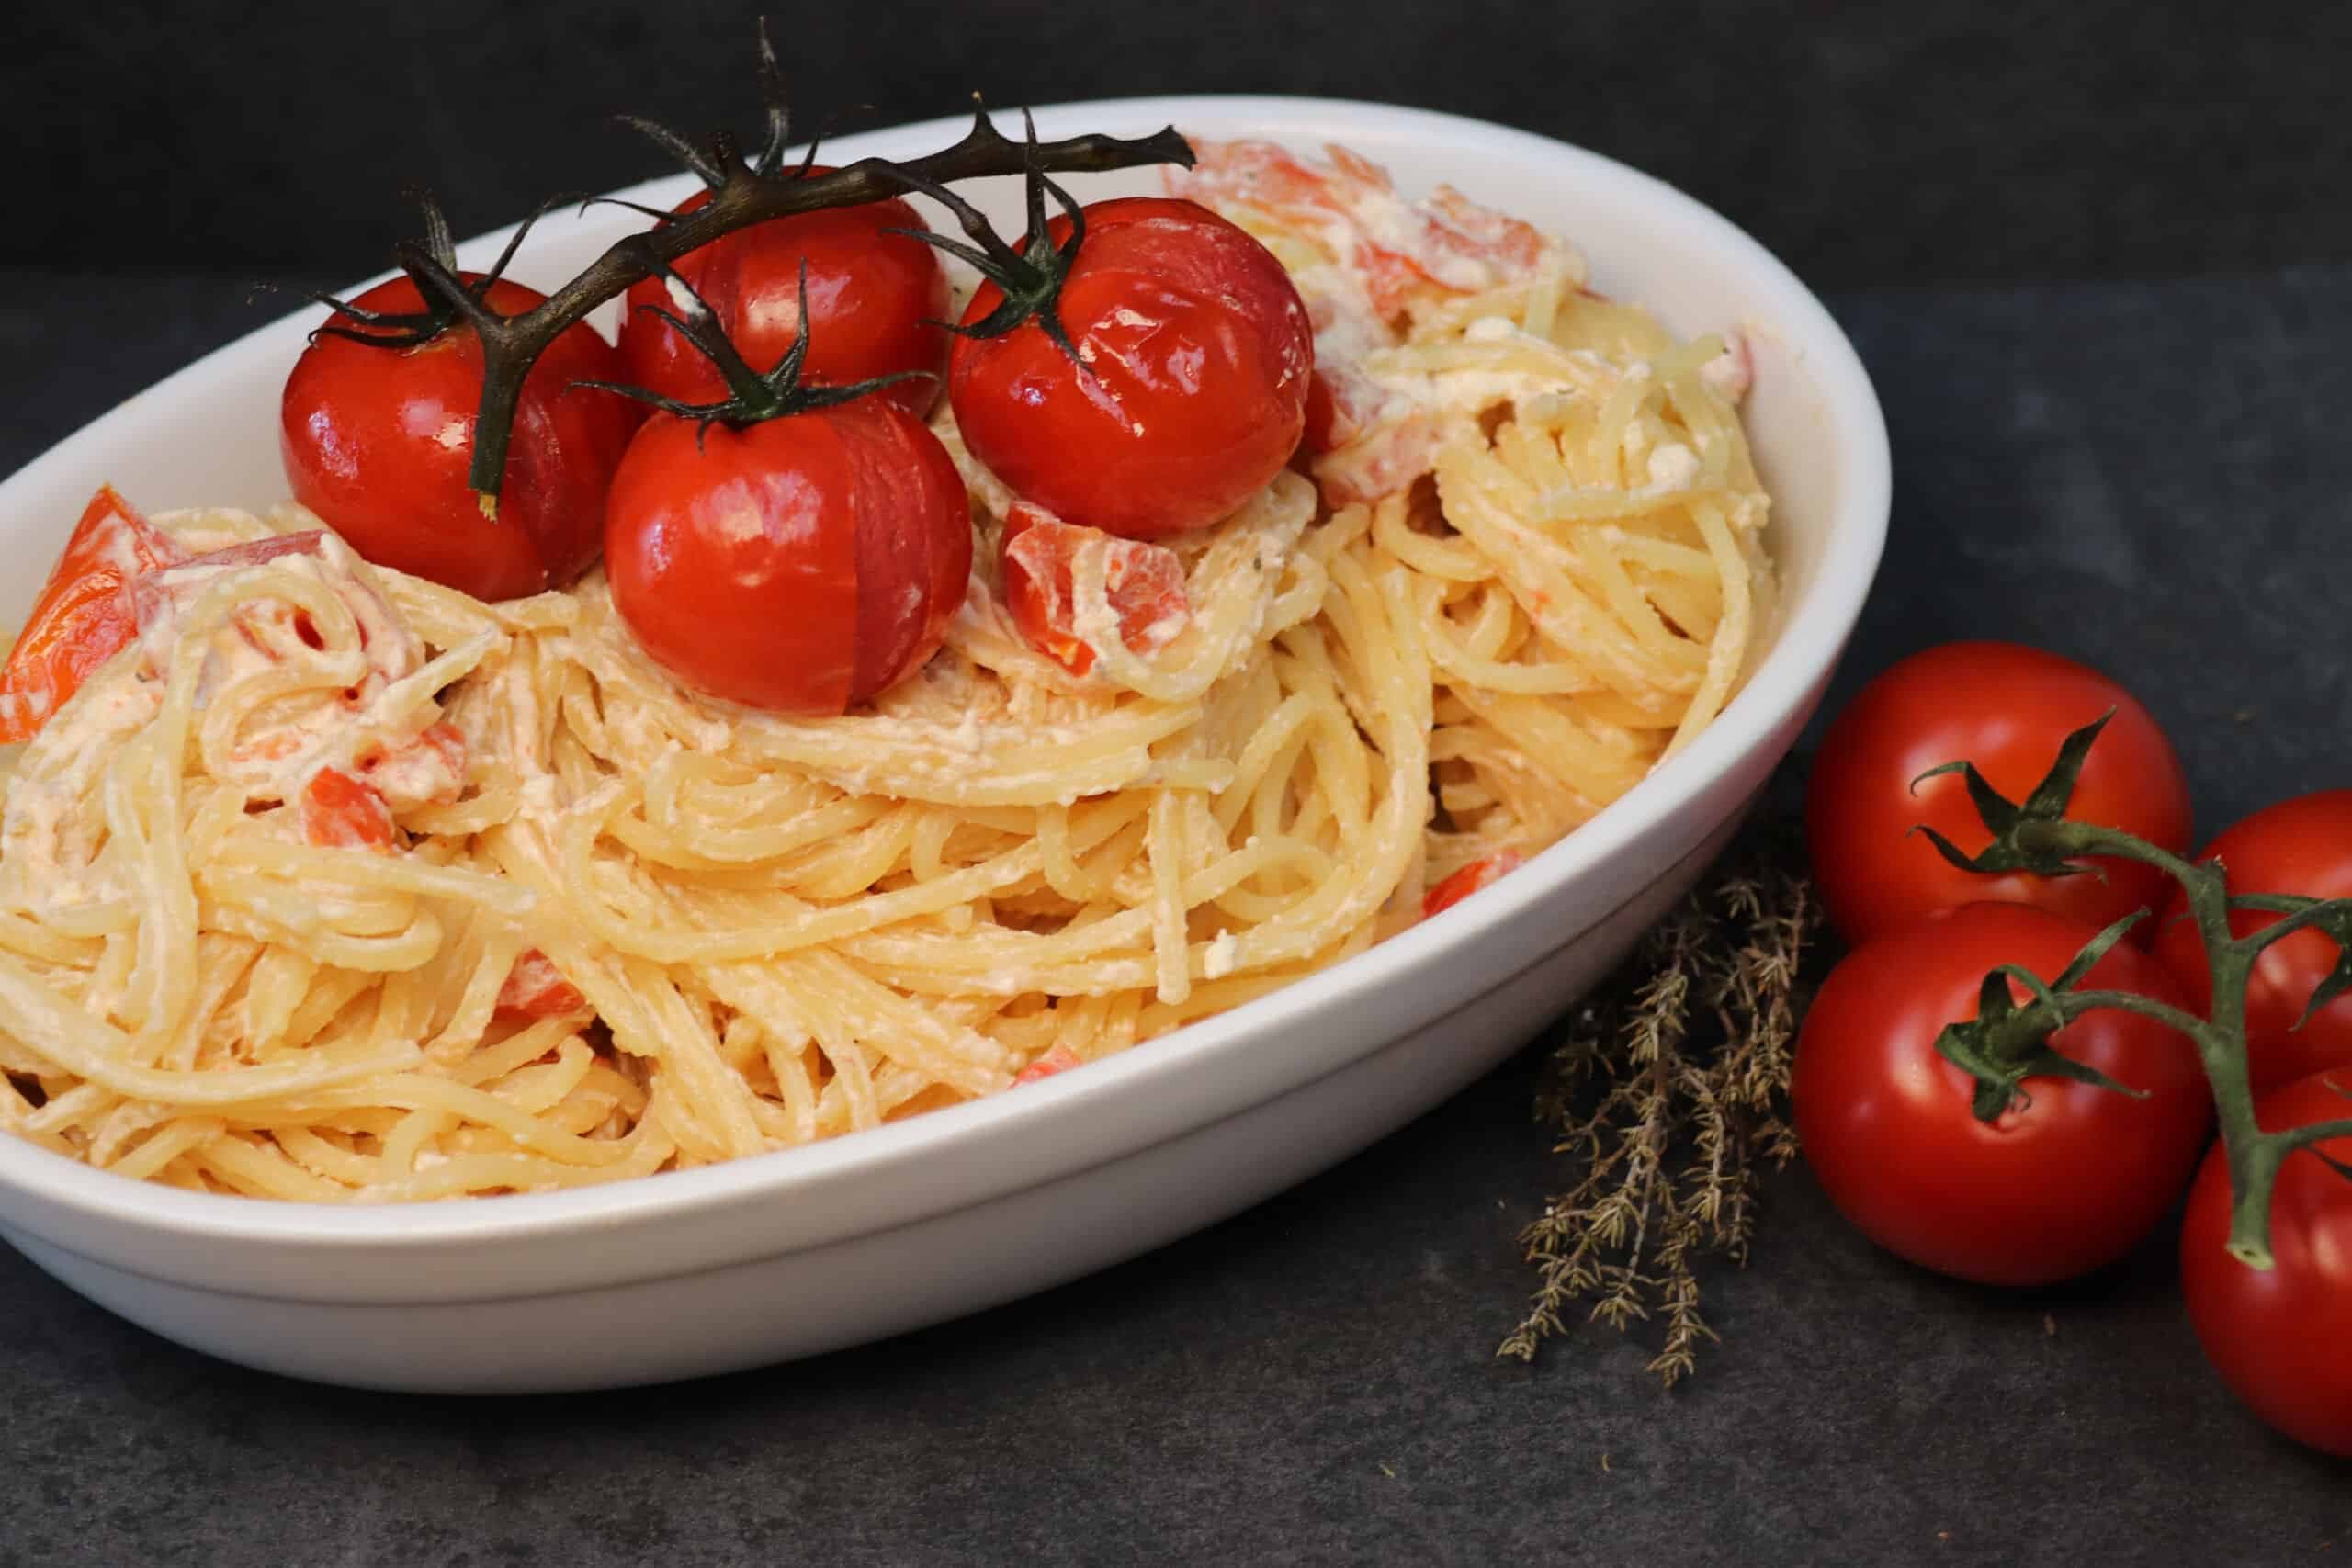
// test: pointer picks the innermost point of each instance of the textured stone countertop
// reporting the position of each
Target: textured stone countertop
(2150, 477)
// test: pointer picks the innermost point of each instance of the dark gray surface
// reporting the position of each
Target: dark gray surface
(1864, 143)
(2148, 477)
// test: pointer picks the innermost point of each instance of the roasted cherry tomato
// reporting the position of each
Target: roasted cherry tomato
(876, 299)
(85, 613)
(2282, 1337)
(1189, 391)
(2068, 1179)
(377, 441)
(2006, 709)
(1476, 877)
(799, 565)
(2301, 846)
(1142, 583)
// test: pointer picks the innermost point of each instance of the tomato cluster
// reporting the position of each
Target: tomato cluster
(803, 555)
(2072, 1174)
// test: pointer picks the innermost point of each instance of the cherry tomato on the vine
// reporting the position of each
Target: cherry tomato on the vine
(2281, 1338)
(377, 441)
(800, 564)
(2301, 846)
(1189, 391)
(871, 295)
(2008, 709)
(2068, 1179)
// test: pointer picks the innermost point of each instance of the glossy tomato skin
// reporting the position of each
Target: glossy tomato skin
(378, 442)
(2301, 846)
(2006, 708)
(800, 565)
(2065, 1184)
(1193, 396)
(870, 294)
(2281, 1338)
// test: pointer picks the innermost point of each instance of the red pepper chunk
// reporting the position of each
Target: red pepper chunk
(1061, 1059)
(1144, 583)
(1471, 878)
(339, 812)
(536, 988)
(85, 614)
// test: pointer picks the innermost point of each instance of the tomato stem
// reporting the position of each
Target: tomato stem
(741, 195)
(2007, 1042)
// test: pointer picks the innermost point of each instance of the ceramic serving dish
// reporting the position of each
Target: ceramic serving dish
(807, 1250)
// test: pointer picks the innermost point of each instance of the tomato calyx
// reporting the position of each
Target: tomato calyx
(1030, 278)
(449, 296)
(717, 164)
(2021, 841)
(754, 396)
(2007, 1043)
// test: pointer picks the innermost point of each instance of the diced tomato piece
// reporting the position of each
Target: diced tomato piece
(1420, 243)
(431, 768)
(1471, 878)
(340, 812)
(1144, 583)
(536, 988)
(158, 595)
(83, 617)
(1061, 1059)
(1378, 462)
(1465, 228)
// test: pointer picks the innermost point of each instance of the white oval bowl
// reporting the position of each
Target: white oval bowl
(815, 1248)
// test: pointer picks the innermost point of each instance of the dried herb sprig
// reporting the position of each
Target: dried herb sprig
(743, 192)
(1668, 1098)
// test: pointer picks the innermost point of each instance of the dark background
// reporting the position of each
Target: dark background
(1866, 143)
(2096, 259)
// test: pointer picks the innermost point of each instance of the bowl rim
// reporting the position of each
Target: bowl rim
(1775, 693)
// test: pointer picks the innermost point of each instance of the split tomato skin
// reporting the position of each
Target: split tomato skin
(874, 300)
(799, 565)
(2066, 1182)
(378, 442)
(2301, 846)
(2281, 1338)
(2006, 708)
(1190, 390)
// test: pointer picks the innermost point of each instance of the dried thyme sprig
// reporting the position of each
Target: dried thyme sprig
(1669, 1098)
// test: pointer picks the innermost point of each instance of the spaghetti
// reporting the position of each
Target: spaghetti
(622, 929)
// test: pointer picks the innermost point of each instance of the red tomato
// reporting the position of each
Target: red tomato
(799, 565)
(2067, 1182)
(1192, 391)
(536, 988)
(377, 442)
(1476, 877)
(1144, 584)
(870, 294)
(85, 613)
(2301, 846)
(340, 812)
(2006, 709)
(2281, 1338)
